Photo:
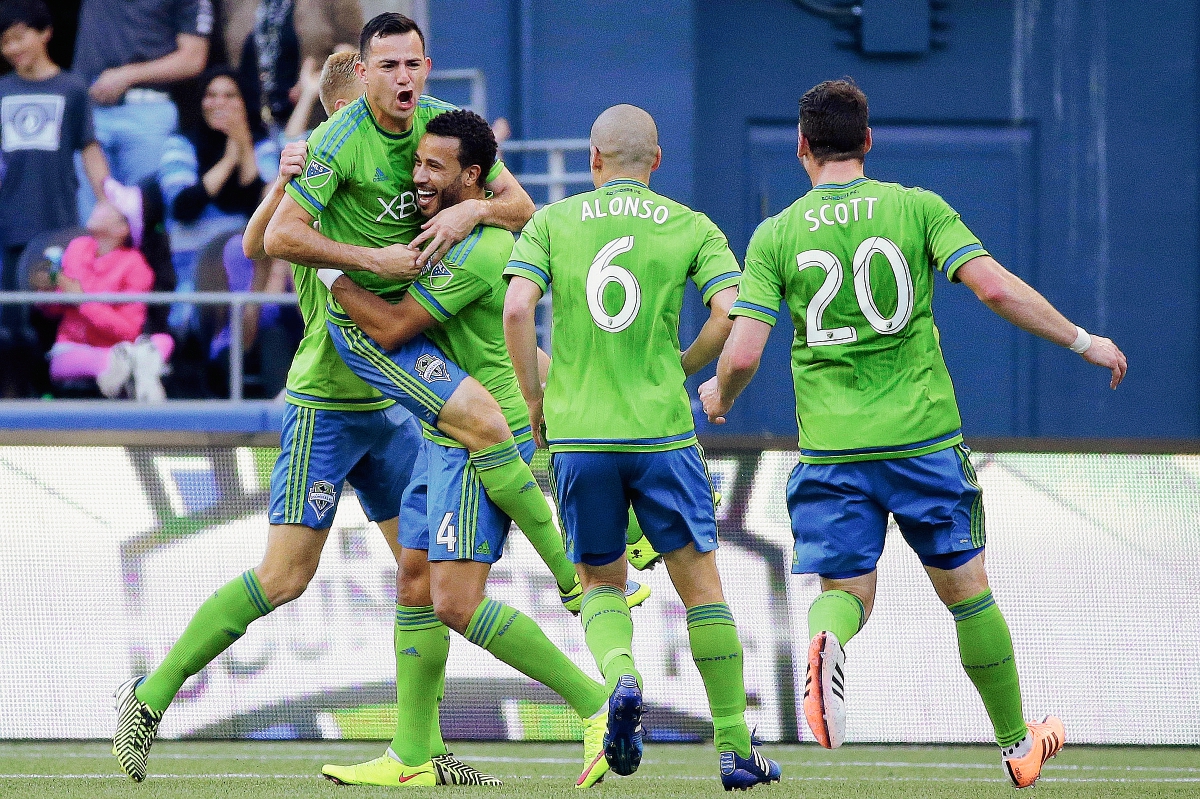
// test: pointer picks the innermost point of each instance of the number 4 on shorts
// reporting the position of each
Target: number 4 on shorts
(445, 533)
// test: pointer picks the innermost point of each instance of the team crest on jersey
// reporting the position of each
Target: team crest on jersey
(321, 497)
(438, 275)
(317, 174)
(432, 369)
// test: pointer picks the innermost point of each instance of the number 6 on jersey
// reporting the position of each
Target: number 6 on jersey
(603, 272)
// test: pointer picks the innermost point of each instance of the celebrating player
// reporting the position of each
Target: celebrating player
(450, 526)
(879, 426)
(618, 420)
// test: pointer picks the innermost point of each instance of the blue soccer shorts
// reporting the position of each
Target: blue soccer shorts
(373, 450)
(446, 511)
(416, 374)
(839, 512)
(670, 492)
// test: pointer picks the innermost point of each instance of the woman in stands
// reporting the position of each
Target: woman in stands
(213, 177)
(98, 341)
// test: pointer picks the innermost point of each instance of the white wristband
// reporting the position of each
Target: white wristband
(327, 276)
(1083, 340)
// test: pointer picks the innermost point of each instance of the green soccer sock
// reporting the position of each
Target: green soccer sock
(608, 630)
(220, 621)
(718, 654)
(837, 612)
(509, 483)
(422, 645)
(985, 647)
(437, 745)
(516, 639)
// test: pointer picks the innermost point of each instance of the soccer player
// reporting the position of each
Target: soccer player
(855, 260)
(336, 428)
(618, 421)
(452, 532)
(358, 182)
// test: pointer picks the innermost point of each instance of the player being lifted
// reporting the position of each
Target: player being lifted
(879, 426)
(447, 517)
(335, 428)
(619, 423)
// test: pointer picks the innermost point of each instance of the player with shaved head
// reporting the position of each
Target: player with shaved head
(619, 258)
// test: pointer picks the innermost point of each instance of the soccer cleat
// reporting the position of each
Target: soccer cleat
(623, 733)
(1046, 740)
(452, 771)
(385, 770)
(825, 690)
(595, 764)
(635, 594)
(137, 724)
(742, 773)
(641, 555)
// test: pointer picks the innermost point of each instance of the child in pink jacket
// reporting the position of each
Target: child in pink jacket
(103, 340)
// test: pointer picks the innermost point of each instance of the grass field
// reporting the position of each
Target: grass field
(199, 770)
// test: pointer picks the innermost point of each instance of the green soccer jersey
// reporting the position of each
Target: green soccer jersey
(619, 258)
(358, 185)
(465, 293)
(855, 264)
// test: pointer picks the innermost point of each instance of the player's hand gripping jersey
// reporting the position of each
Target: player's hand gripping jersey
(855, 264)
(619, 258)
(358, 185)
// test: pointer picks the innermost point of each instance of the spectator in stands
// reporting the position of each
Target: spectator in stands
(213, 178)
(272, 43)
(130, 53)
(270, 333)
(98, 340)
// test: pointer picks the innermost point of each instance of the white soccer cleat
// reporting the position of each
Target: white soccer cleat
(825, 690)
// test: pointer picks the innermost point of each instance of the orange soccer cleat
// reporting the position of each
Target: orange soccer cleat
(825, 690)
(1046, 740)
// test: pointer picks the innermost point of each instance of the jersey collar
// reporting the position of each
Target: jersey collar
(855, 182)
(624, 182)
(382, 132)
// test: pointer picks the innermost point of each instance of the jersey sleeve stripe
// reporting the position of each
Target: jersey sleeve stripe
(960, 257)
(459, 252)
(762, 314)
(432, 102)
(313, 201)
(530, 271)
(348, 125)
(321, 150)
(736, 276)
(427, 301)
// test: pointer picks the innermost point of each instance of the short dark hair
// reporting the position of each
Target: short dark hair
(833, 117)
(32, 13)
(389, 23)
(476, 142)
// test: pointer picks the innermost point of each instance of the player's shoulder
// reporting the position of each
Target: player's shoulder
(339, 131)
(484, 250)
(429, 106)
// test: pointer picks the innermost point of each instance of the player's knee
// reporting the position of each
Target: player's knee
(474, 417)
(454, 611)
(283, 584)
(412, 581)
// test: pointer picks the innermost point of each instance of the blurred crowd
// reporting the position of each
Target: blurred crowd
(133, 167)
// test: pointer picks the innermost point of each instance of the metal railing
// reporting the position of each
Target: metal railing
(236, 301)
(556, 178)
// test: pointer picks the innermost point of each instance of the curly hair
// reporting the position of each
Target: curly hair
(476, 142)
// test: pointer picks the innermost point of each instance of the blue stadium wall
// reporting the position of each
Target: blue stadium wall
(1063, 130)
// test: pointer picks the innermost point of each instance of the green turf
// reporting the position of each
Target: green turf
(198, 770)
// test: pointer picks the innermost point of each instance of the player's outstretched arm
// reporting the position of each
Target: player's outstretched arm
(509, 207)
(390, 325)
(1019, 303)
(739, 361)
(290, 236)
(520, 334)
(712, 336)
(291, 165)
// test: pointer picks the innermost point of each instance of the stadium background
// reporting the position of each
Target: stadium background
(1065, 132)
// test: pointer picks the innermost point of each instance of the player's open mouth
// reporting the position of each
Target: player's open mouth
(404, 99)
(426, 197)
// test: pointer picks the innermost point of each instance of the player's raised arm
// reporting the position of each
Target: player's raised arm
(520, 335)
(291, 165)
(509, 207)
(1019, 303)
(290, 235)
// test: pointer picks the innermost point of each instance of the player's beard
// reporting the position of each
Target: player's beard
(451, 194)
